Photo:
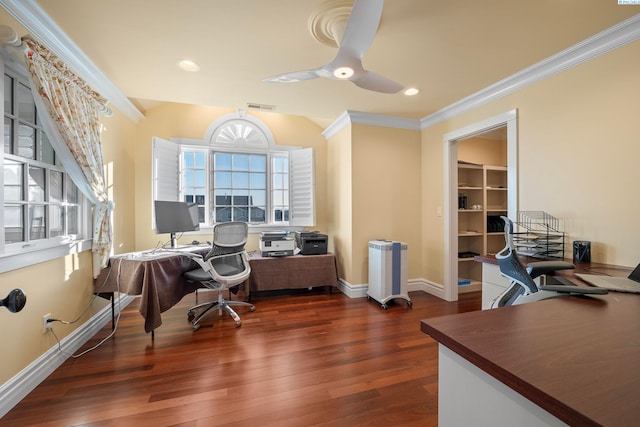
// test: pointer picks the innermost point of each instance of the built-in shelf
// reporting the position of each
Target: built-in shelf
(482, 191)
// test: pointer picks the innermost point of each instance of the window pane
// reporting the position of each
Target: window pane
(56, 193)
(258, 180)
(257, 214)
(199, 178)
(13, 226)
(13, 181)
(240, 180)
(26, 141)
(46, 150)
(8, 135)
(241, 214)
(73, 220)
(240, 198)
(56, 226)
(37, 222)
(26, 106)
(258, 163)
(240, 162)
(73, 195)
(258, 198)
(222, 179)
(223, 214)
(36, 184)
(200, 160)
(8, 94)
(188, 159)
(280, 165)
(222, 161)
(222, 197)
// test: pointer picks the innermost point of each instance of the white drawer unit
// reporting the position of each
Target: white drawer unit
(387, 271)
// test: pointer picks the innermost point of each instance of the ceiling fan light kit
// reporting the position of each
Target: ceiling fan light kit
(360, 29)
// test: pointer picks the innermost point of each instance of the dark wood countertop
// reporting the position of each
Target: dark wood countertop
(576, 357)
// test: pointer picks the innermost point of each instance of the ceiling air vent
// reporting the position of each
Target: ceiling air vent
(262, 107)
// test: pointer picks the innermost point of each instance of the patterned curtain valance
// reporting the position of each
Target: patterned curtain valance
(51, 60)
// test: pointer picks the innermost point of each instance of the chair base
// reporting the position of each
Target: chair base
(220, 304)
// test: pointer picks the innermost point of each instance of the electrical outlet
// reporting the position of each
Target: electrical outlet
(46, 325)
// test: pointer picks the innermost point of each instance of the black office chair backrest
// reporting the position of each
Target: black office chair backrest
(510, 265)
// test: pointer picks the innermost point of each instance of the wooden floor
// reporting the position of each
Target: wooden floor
(302, 360)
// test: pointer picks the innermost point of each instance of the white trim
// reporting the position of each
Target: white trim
(450, 161)
(41, 26)
(38, 256)
(612, 38)
(427, 286)
(358, 117)
(21, 384)
(352, 291)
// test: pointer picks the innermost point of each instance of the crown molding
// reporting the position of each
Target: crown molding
(42, 27)
(612, 38)
(358, 117)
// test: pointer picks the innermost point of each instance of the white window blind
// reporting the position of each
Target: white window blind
(301, 204)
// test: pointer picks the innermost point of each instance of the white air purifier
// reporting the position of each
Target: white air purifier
(387, 271)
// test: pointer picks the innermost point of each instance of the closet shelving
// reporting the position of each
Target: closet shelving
(482, 199)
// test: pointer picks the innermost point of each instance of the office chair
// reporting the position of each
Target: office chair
(224, 267)
(522, 288)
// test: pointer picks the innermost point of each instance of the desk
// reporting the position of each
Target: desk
(292, 272)
(567, 360)
(156, 277)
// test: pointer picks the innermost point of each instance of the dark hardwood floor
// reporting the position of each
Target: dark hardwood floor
(301, 360)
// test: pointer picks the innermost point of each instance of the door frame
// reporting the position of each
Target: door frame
(508, 119)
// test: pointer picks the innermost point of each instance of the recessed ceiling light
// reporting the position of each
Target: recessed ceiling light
(343, 72)
(188, 65)
(411, 91)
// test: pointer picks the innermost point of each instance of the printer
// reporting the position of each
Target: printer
(276, 243)
(311, 242)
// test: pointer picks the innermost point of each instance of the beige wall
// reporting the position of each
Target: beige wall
(578, 142)
(64, 286)
(192, 121)
(375, 188)
(483, 151)
(339, 206)
(386, 193)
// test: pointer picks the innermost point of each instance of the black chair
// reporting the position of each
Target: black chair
(224, 267)
(523, 288)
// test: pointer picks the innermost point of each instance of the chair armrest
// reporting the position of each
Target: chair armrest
(539, 268)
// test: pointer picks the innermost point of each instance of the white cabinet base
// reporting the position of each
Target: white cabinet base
(468, 396)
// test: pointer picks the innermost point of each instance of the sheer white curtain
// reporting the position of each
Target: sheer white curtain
(72, 124)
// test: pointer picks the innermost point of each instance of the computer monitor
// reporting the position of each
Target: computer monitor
(175, 217)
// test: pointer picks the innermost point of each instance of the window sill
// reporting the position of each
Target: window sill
(37, 256)
(253, 229)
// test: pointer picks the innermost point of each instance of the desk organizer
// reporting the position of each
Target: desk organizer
(539, 235)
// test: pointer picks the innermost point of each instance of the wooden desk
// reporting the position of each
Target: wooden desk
(154, 276)
(292, 272)
(571, 359)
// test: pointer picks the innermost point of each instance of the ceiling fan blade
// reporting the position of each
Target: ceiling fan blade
(372, 81)
(295, 76)
(362, 26)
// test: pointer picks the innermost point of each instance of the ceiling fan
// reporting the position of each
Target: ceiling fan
(352, 44)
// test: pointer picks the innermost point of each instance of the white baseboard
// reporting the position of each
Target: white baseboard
(360, 291)
(21, 384)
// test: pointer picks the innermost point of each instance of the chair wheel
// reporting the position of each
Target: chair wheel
(384, 306)
(409, 304)
(252, 309)
(195, 327)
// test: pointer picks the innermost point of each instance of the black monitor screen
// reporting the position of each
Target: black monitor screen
(176, 217)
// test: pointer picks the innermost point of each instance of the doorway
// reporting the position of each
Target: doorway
(504, 123)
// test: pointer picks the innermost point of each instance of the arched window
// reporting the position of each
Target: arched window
(237, 173)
